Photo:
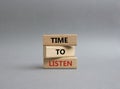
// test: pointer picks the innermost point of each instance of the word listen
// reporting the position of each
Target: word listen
(59, 39)
(60, 63)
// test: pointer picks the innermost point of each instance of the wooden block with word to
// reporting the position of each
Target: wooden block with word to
(64, 62)
(60, 39)
(58, 51)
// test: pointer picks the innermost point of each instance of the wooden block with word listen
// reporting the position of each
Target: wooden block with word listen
(63, 62)
(58, 51)
(60, 39)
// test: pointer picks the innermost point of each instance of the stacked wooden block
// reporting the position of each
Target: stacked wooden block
(59, 51)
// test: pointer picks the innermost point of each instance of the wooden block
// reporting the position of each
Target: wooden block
(64, 62)
(58, 51)
(60, 39)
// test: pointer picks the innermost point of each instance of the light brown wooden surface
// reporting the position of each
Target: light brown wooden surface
(64, 62)
(70, 41)
(55, 51)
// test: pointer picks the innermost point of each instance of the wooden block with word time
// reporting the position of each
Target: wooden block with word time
(60, 39)
(62, 62)
(58, 51)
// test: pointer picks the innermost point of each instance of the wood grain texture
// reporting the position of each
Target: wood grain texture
(67, 39)
(57, 51)
(64, 62)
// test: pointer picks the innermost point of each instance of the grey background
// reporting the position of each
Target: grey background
(22, 24)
